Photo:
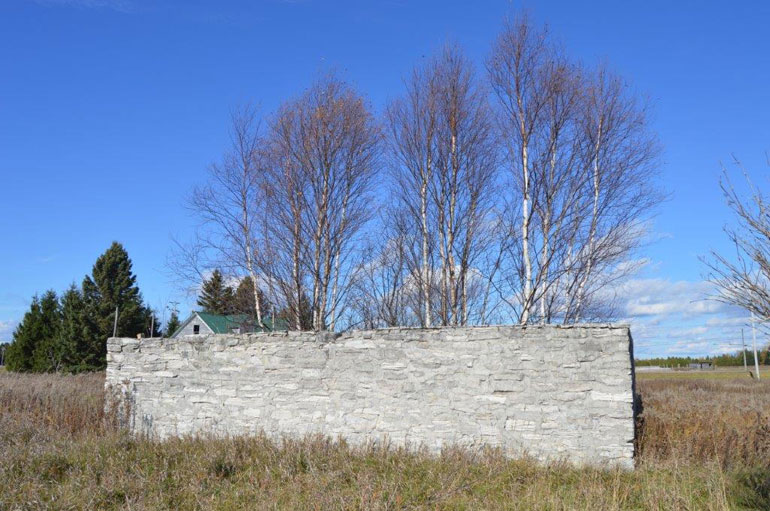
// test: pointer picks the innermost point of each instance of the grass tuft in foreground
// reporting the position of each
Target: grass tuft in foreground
(61, 452)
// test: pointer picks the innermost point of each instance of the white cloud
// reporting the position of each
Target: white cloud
(6, 330)
(727, 321)
(690, 332)
(700, 348)
(679, 318)
(662, 297)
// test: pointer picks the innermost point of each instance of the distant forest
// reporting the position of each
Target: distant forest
(726, 360)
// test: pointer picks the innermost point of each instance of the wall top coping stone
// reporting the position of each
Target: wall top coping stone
(323, 337)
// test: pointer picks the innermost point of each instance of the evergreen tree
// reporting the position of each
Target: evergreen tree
(34, 346)
(47, 356)
(216, 297)
(74, 333)
(305, 315)
(71, 335)
(19, 353)
(111, 285)
(243, 302)
(173, 324)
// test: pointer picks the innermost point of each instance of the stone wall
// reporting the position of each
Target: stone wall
(547, 391)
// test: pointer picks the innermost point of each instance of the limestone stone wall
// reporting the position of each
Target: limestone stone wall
(546, 391)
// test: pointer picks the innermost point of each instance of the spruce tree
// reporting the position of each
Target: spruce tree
(34, 346)
(111, 285)
(74, 333)
(172, 325)
(243, 302)
(216, 297)
(48, 354)
(25, 339)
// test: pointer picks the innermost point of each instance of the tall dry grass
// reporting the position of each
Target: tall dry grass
(60, 451)
(701, 421)
(53, 404)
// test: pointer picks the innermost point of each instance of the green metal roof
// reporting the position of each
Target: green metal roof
(222, 324)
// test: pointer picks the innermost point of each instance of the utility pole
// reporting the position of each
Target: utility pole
(754, 340)
(743, 341)
(115, 325)
(152, 322)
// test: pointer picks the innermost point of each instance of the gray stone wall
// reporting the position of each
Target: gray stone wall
(545, 391)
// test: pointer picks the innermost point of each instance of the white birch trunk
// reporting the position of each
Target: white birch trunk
(424, 218)
(319, 233)
(451, 234)
(335, 284)
(295, 268)
(253, 275)
(592, 232)
(525, 229)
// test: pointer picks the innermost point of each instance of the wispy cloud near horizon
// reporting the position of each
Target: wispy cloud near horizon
(679, 317)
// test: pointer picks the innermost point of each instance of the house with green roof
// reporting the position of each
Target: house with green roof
(205, 323)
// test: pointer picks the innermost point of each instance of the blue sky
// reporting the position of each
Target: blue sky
(111, 109)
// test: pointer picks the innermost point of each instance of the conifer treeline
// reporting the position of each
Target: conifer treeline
(68, 333)
(724, 360)
(218, 297)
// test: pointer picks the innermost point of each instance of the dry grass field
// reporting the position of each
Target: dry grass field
(726, 373)
(704, 444)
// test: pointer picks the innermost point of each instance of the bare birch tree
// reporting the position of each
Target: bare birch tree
(557, 177)
(533, 204)
(443, 163)
(743, 278)
(580, 159)
(285, 247)
(229, 234)
(620, 155)
(517, 70)
(412, 122)
(383, 295)
(325, 150)
(463, 189)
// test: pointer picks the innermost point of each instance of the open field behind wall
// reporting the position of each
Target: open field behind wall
(726, 373)
(704, 443)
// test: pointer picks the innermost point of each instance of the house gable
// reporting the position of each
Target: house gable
(209, 323)
(190, 324)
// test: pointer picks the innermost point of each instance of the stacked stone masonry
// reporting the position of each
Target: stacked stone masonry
(550, 392)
